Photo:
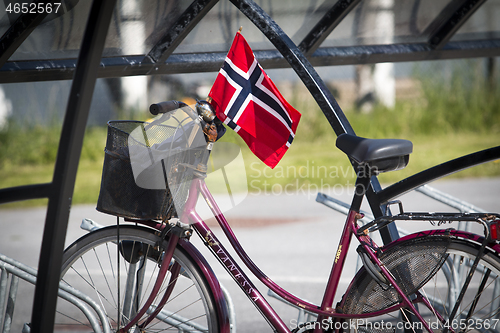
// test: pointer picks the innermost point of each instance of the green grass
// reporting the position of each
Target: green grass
(306, 166)
(453, 118)
(28, 156)
(313, 167)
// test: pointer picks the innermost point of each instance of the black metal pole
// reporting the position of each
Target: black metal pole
(299, 63)
(453, 23)
(176, 34)
(68, 155)
(325, 26)
(180, 63)
(17, 33)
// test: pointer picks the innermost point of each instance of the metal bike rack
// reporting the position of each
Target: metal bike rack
(9, 266)
(94, 313)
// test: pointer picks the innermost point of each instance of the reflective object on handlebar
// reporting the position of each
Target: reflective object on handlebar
(205, 110)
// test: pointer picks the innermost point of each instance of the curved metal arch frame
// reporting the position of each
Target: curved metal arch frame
(89, 66)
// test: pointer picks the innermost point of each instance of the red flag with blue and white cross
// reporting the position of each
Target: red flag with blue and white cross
(247, 101)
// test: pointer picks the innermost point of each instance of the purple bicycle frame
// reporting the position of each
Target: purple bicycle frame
(198, 186)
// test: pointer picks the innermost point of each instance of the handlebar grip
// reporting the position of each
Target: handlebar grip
(164, 107)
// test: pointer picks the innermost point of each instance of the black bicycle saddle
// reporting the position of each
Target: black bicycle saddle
(385, 154)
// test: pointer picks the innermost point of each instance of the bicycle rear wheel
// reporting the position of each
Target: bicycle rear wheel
(114, 281)
(479, 310)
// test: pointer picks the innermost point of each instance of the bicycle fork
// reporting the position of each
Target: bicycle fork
(177, 232)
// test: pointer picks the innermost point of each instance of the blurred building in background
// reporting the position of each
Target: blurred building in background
(138, 26)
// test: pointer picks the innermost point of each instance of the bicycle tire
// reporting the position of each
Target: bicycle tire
(438, 289)
(92, 265)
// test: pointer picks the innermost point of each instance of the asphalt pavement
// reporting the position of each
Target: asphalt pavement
(291, 237)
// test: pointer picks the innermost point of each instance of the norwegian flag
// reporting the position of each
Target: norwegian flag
(247, 101)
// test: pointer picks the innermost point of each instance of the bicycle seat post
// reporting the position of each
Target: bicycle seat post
(364, 173)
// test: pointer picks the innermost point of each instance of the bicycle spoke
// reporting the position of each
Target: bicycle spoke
(407, 319)
(431, 307)
(74, 319)
(171, 315)
(92, 285)
(104, 276)
(492, 313)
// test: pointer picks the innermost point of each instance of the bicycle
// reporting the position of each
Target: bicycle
(146, 275)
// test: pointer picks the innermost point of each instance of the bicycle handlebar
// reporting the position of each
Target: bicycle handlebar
(168, 106)
(164, 107)
(204, 114)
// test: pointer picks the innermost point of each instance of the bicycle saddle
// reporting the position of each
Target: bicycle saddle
(383, 154)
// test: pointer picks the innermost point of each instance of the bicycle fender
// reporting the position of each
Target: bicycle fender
(465, 235)
(223, 315)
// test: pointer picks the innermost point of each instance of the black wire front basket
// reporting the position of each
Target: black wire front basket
(142, 177)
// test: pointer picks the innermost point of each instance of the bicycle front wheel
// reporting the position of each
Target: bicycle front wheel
(432, 271)
(108, 274)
